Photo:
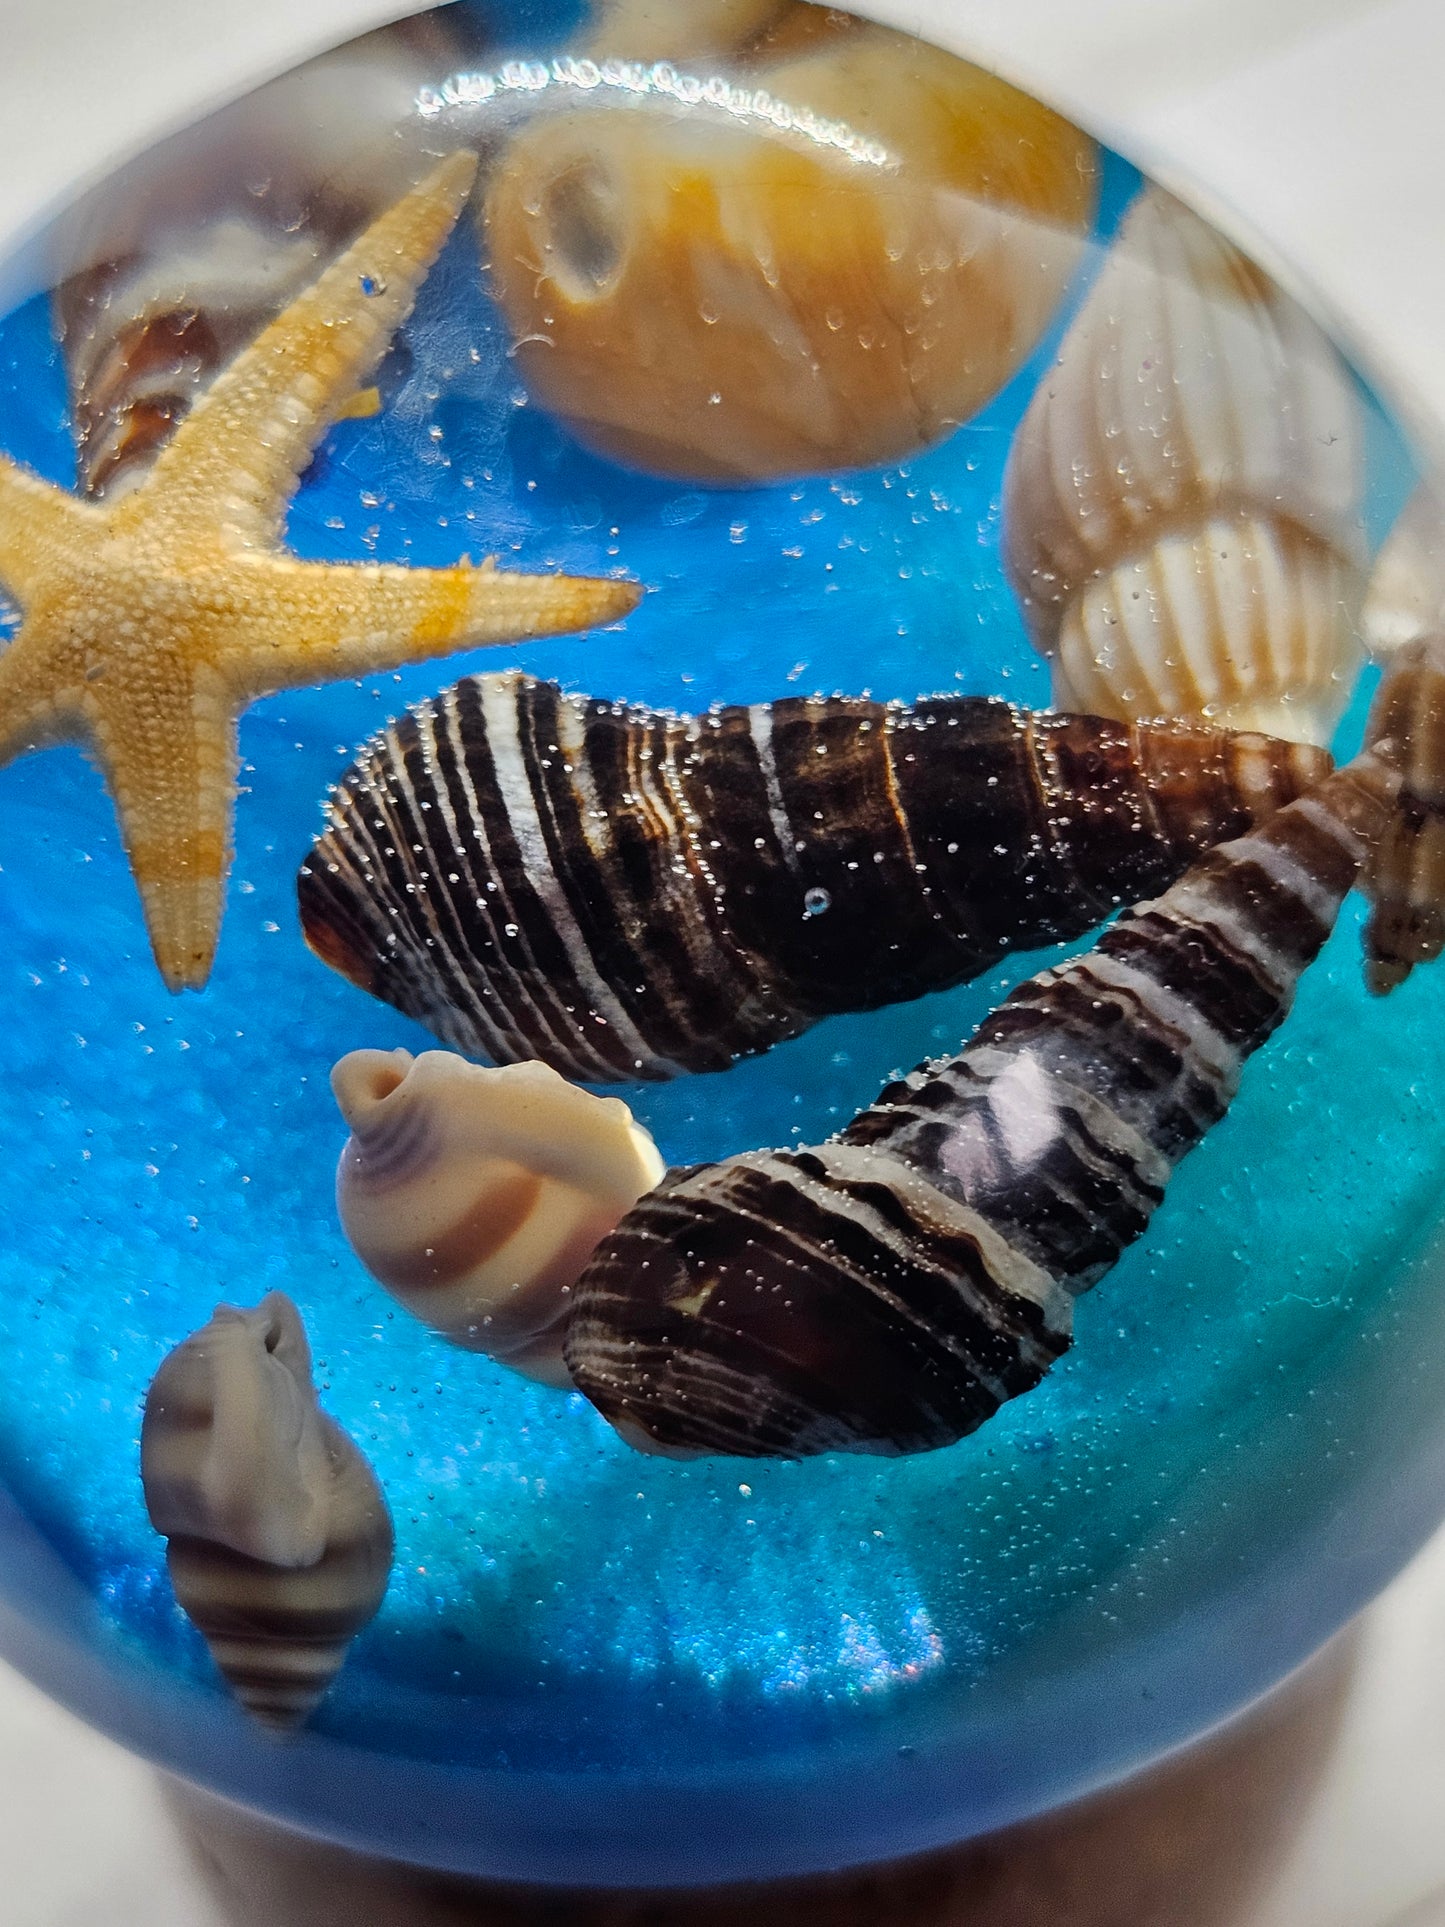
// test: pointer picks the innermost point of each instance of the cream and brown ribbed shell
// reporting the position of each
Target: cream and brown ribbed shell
(1183, 496)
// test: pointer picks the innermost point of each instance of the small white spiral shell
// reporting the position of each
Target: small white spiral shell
(476, 1195)
(1182, 501)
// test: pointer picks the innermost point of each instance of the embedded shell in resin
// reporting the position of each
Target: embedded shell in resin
(1182, 500)
(477, 1195)
(1406, 878)
(279, 1541)
(627, 893)
(1406, 596)
(836, 278)
(887, 1290)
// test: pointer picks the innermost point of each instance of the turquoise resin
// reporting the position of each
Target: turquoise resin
(591, 1665)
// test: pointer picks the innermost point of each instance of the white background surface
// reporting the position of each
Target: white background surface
(1315, 124)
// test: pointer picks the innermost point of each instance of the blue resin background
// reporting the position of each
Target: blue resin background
(1243, 1436)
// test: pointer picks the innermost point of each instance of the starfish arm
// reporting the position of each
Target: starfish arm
(238, 454)
(307, 622)
(37, 523)
(36, 708)
(170, 763)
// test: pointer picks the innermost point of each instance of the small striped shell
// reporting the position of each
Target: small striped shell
(477, 1196)
(1406, 878)
(837, 275)
(886, 1291)
(178, 264)
(279, 1541)
(624, 893)
(1182, 499)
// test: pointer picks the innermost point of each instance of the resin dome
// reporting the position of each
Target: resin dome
(755, 310)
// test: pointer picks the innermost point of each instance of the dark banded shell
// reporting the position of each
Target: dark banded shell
(886, 1291)
(1406, 878)
(625, 893)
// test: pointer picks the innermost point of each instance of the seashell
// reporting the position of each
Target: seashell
(886, 1291)
(624, 893)
(476, 1196)
(1405, 881)
(1182, 499)
(1406, 596)
(831, 263)
(280, 1543)
(181, 262)
(649, 30)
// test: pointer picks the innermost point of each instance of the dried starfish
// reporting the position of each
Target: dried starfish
(149, 625)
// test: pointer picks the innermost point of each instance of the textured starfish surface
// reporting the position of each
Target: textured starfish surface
(150, 624)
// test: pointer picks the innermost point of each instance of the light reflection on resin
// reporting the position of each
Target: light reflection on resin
(850, 1655)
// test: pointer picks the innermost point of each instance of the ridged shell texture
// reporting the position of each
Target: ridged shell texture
(624, 893)
(887, 1290)
(1183, 497)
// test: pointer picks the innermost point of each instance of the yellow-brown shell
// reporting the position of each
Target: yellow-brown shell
(1182, 499)
(663, 30)
(835, 274)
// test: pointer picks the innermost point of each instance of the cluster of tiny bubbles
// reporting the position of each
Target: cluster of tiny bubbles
(1267, 1335)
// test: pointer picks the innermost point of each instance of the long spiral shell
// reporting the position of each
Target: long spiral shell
(887, 1290)
(279, 1541)
(476, 1196)
(623, 893)
(1182, 500)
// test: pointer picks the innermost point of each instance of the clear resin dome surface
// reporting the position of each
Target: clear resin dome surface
(919, 542)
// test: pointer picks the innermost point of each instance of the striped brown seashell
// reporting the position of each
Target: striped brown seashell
(886, 1291)
(279, 1541)
(178, 264)
(1405, 881)
(624, 893)
(476, 1196)
(817, 261)
(1182, 503)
